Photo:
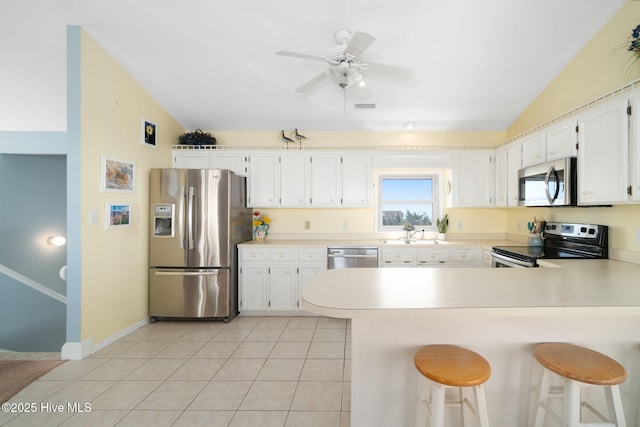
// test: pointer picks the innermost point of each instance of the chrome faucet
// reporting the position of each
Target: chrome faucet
(409, 228)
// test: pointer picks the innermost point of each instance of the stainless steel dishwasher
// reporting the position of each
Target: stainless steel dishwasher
(352, 257)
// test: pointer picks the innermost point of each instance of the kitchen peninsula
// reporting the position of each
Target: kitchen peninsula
(499, 313)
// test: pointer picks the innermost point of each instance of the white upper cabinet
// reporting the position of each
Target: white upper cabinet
(533, 149)
(325, 180)
(514, 164)
(294, 180)
(356, 180)
(473, 178)
(264, 182)
(634, 142)
(236, 161)
(501, 177)
(190, 159)
(562, 140)
(603, 154)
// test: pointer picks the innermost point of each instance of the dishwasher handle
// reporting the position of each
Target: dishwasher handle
(350, 256)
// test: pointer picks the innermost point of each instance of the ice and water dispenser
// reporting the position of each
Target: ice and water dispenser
(163, 220)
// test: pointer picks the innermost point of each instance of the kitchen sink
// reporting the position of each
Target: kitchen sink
(417, 242)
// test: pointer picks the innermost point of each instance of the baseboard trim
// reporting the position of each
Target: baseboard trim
(76, 350)
(80, 350)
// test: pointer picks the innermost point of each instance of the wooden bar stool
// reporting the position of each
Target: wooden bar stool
(578, 367)
(448, 366)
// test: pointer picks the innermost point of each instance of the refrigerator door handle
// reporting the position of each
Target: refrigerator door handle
(183, 225)
(190, 217)
(186, 273)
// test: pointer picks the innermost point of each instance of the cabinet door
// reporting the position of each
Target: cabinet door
(603, 155)
(514, 164)
(398, 258)
(188, 159)
(263, 180)
(562, 140)
(232, 160)
(473, 178)
(305, 273)
(356, 180)
(634, 141)
(282, 288)
(293, 180)
(253, 280)
(501, 177)
(533, 149)
(324, 180)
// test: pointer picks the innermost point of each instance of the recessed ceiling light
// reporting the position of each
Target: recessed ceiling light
(409, 125)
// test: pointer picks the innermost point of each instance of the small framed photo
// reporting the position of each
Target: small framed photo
(118, 215)
(148, 132)
(118, 175)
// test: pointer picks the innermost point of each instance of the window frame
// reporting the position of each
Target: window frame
(435, 200)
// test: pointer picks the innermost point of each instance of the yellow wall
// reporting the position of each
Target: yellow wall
(115, 262)
(601, 66)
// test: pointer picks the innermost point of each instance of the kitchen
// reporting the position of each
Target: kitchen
(97, 323)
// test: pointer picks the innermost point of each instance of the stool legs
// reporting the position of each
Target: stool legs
(432, 402)
(572, 404)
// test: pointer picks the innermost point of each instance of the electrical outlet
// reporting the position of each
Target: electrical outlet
(307, 225)
(93, 217)
(345, 225)
(459, 225)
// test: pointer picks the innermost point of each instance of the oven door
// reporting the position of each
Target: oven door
(501, 261)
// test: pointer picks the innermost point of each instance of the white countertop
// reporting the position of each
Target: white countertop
(377, 292)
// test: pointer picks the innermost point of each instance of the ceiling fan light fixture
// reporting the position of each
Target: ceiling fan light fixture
(344, 75)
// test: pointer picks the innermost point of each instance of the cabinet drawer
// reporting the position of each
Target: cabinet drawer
(253, 254)
(315, 254)
(441, 256)
(282, 255)
(397, 257)
(463, 255)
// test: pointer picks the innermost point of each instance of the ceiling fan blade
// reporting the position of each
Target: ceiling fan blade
(313, 82)
(390, 70)
(300, 55)
(359, 43)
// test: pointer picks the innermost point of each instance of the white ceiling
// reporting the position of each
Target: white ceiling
(212, 64)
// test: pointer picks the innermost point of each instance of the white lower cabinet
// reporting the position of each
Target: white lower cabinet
(433, 257)
(272, 278)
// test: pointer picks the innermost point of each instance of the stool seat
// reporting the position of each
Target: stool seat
(452, 366)
(580, 364)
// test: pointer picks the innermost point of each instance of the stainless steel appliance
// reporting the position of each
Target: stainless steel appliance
(549, 184)
(197, 217)
(352, 257)
(561, 240)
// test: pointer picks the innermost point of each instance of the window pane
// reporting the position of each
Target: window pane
(407, 189)
(407, 213)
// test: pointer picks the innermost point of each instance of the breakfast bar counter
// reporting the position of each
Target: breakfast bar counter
(500, 313)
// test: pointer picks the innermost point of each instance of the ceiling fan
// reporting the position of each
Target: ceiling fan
(345, 64)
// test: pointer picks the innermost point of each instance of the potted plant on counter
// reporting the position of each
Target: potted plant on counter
(443, 226)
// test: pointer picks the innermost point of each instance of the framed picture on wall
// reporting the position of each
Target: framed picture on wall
(118, 175)
(118, 215)
(148, 132)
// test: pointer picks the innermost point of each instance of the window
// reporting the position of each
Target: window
(407, 199)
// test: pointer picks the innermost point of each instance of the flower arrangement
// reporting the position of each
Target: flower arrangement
(633, 44)
(260, 220)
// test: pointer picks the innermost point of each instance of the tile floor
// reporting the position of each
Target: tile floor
(253, 371)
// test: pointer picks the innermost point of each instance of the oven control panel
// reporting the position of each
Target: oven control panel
(589, 231)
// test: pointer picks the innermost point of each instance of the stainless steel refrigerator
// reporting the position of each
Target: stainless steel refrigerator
(197, 217)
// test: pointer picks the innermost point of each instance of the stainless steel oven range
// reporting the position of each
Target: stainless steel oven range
(561, 240)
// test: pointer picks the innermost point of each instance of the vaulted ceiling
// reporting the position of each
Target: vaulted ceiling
(212, 64)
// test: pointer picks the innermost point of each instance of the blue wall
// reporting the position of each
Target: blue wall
(32, 207)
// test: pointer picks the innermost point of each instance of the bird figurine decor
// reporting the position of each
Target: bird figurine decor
(299, 137)
(285, 138)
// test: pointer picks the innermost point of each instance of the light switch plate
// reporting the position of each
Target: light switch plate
(93, 217)
(638, 237)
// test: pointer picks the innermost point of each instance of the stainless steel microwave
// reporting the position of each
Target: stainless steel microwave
(549, 184)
